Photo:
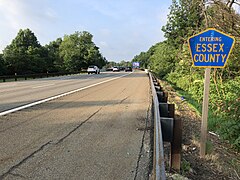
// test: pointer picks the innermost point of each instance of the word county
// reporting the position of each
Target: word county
(210, 50)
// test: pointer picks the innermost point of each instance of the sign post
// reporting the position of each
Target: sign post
(203, 139)
(209, 49)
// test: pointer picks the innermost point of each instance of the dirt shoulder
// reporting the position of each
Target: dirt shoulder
(221, 162)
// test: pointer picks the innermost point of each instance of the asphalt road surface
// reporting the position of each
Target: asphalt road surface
(99, 132)
(15, 94)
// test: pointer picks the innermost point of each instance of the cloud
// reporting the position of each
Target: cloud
(21, 14)
(11, 11)
(120, 28)
(27, 13)
(103, 44)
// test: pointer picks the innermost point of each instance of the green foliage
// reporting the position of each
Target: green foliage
(124, 63)
(226, 106)
(25, 54)
(184, 18)
(193, 84)
(143, 59)
(228, 98)
(229, 130)
(162, 59)
(209, 147)
(171, 60)
(2, 65)
(185, 166)
(78, 51)
(54, 61)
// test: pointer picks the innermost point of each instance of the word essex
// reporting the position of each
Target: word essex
(215, 52)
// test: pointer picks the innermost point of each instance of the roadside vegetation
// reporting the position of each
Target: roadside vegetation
(170, 60)
(72, 53)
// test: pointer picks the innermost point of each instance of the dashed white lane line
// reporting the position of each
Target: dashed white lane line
(55, 97)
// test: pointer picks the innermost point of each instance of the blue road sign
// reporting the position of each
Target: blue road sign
(210, 48)
(136, 64)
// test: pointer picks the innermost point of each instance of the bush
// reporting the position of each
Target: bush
(224, 104)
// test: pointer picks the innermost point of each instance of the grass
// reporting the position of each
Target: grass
(213, 120)
(191, 102)
(209, 147)
(185, 166)
(235, 163)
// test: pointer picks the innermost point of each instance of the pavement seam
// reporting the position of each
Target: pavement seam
(32, 118)
(24, 160)
(72, 131)
(123, 100)
(17, 175)
(141, 148)
(43, 146)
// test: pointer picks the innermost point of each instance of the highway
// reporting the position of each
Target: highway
(15, 94)
(98, 131)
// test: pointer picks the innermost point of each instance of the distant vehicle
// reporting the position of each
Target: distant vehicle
(128, 69)
(93, 69)
(121, 68)
(109, 69)
(115, 69)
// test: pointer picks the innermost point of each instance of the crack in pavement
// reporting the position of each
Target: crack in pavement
(72, 131)
(43, 146)
(18, 175)
(142, 145)
(124, 99)
(24, 160)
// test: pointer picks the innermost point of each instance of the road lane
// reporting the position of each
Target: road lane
(92, 134)
(42, 86)
(15, 94)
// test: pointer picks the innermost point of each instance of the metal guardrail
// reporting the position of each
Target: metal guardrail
(159, 166)
(33, 76)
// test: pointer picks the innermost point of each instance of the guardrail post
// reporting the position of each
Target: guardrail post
(15, 77)
(176, 146)
(171, 128)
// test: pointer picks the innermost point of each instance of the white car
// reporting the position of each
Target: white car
(115, 69)
(93, 69)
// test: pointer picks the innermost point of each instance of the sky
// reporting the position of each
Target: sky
(120, 28)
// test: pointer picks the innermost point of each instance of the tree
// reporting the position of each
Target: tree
(2, 65)
(189, 17)
(142, 58)
(185, 19)
(54, 61)
(162, 61)
(94, 57)
(111, 64)
(25, 54)
(78, 51)
(223, 17)
(124, 63)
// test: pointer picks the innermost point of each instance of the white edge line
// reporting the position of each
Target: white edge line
(55, 97)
